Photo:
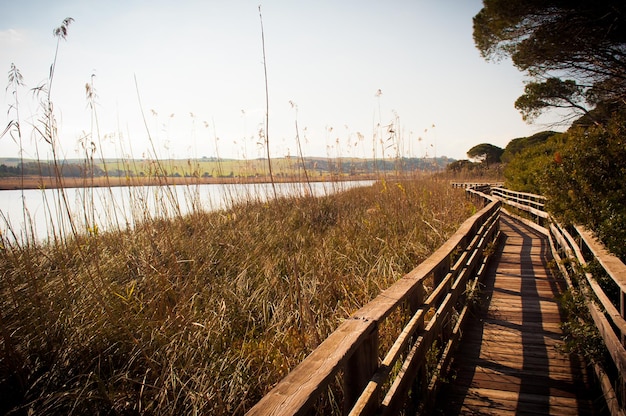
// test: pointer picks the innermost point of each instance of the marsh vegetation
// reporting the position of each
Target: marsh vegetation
(204, 312)
(191, 312)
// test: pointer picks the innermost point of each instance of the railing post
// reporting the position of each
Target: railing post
(440, 271)
(416, 301)
(418, 383)
(359, 370)
(621, 387)
(622, 311)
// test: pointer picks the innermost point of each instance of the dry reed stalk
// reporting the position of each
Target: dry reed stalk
(196, 312)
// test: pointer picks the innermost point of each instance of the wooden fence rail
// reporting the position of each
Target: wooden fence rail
(531, 203)
(430, 302)
(476, 185)
(574, 248)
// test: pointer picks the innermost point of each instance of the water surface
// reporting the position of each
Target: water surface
(45, 214)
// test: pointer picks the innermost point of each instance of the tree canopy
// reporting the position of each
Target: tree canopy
(486, 153)
(581, 172)
(526, 168)
(574, 50)
(517, 145)
(584, 181)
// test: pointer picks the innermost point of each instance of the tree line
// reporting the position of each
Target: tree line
(574, 53)
(322, 165)
(70, 170)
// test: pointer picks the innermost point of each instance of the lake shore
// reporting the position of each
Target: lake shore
(43, 182)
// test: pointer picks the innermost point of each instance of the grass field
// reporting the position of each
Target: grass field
(291, 167)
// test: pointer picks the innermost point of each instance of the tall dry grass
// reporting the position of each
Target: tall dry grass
(203, 313)
(197, 313)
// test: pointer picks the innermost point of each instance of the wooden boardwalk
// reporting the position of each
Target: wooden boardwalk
(509, 361)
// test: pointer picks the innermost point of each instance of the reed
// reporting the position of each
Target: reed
(173, 313)
(204, 312)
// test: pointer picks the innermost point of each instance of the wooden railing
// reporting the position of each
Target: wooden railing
(477, 185)
(427, 308)
(574, 248)
(530, 203)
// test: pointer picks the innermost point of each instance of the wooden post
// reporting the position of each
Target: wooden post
(621, 385)
(441, 271)
(360, 368)
(622, 311)
(418, 390)
(417, 299)
(417, 386)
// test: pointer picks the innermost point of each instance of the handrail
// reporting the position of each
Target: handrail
(378, 381)
(476, 185)
(534, 204)
(578, 246)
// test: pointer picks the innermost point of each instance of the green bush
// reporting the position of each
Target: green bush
(585, 181)
(525, 170)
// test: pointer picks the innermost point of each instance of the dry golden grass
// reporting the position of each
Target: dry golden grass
(196, 314)
(204, 313)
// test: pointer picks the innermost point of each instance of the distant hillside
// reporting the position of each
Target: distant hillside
(211, 167)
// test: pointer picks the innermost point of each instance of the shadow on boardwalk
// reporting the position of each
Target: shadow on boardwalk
(509, 360)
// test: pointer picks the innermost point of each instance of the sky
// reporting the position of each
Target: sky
(186, 79)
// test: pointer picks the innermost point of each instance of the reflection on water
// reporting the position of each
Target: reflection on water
(42, 214)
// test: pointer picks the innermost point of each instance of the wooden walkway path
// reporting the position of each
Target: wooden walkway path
(508, 360)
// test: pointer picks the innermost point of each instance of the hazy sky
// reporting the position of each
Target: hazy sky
(198, 67)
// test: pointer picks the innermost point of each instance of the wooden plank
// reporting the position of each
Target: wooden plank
(504, 334)
(443, 367)
(608, 260)
(496, 402)
(520, 367)
(509, 362)
(506, 354)
(528, 399)
(608, 391)
(538, 228)
(507, 383)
